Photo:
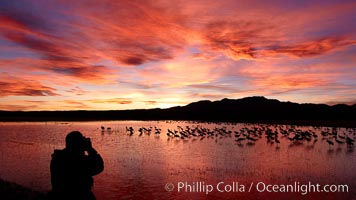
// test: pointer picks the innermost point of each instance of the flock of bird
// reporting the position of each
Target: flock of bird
(143, 130)
(250, 134)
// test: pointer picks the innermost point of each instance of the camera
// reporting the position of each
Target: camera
(86, 143)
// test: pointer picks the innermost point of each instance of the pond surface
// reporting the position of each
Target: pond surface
(142, 164)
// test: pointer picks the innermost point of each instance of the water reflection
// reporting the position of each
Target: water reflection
(142, 156)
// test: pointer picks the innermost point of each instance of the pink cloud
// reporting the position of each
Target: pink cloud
(112, 100)
(169, 52)
(312, 48)
(254, 40)
(16, 86)
(58, 55)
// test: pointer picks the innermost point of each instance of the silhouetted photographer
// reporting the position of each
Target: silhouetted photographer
(72, 169)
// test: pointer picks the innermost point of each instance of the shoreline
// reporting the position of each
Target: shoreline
(317, 123)
(14, 191)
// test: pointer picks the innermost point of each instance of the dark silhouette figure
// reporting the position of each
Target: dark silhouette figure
(73, 167)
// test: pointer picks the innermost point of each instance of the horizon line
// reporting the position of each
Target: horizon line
(351, 103)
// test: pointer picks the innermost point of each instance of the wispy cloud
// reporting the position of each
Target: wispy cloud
(140, 54)
(113, 100)
(15, 86)
(313, 48)
(254, 40)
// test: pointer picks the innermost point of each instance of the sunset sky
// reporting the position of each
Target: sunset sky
(117, 54)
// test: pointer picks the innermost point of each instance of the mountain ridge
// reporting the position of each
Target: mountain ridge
(248, 109)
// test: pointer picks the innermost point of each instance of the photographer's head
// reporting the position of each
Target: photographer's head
(75, 141)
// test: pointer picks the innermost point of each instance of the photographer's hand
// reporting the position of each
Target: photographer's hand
(92, 151)
(90, 148)
(89, 145)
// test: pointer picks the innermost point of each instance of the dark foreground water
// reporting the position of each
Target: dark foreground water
(203, 161)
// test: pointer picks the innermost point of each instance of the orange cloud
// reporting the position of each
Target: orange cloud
(290, 81)
(77, 91)
(312, 48)
(254, 39)
(16, 86)
(220, 88)
(57, 54)
(112, 100)
(145, 53)
(130, 32)
(238, 40)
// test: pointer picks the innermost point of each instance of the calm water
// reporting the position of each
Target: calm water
(139, 167)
